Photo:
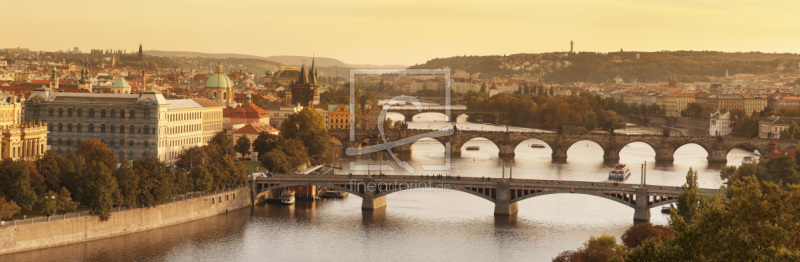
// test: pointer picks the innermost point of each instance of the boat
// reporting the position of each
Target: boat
(665, 209)
(287, 197)
(473, 148)
(334, 194)
(748, 160)
(537, 146)
(619, 173)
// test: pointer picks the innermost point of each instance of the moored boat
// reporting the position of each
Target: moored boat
(665, 209)
(537, 146)
(748, 160)
(473, 148)
(287, 197)
(334, 194)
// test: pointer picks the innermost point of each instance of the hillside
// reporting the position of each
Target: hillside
(603, 67)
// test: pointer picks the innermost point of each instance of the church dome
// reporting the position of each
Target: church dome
(219, 80)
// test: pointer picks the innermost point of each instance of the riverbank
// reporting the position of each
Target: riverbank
(32, 234)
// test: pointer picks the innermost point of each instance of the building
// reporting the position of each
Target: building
(675, 103)
(305, 91)
(493, 91)
(775, 152)
(251, 131)
(120, 86)
(20, 140)
(771, 127)
(338, 116)
(219, 87)
(133, 126)
(287, 76)
(235, 118)
(720, 124)
(279, 112)
(369, 117)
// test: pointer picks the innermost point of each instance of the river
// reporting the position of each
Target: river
(416, 225)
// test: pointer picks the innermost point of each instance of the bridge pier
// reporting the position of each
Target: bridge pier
(718, 156)
(665, 155)
(641, 213)
(370, 200)
(403, 152)
(610, 156)
(506, 151)
(559, 155)
(502, 204)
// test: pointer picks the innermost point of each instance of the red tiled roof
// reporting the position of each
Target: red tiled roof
(256, 128)
(247, 110)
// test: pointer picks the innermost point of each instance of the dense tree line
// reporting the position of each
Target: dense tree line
(539, 108)
(93, 178)
(756, 220)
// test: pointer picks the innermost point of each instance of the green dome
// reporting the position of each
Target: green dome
(219, 79)
(121, 83)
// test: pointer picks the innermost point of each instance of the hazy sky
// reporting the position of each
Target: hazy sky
(402, 32)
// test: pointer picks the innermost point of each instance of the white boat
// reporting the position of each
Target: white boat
(748, 160)
(619, 173)
(287, 197)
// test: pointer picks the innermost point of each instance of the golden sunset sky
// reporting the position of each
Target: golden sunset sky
(402, 32)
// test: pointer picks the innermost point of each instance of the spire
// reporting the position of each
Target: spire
(313, 73)
(219, 68)
(303, 76)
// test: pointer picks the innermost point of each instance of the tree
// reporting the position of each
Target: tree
(602, 248)
(308, 126)
(201, 178)
(590, 121)
(15, 183)
(793, 132)
(221, 142)
(694, 110)
(637, 234)
(276, 161)
(64, 203)
(689, 199)
(94, 150)
(128, 182)
(7, 208)
(264, 143)
(242, 145)
(101, 189)
(367, 99)
(48, 167)
(156, 183)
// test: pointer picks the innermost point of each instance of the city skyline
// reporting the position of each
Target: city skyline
(407, 32)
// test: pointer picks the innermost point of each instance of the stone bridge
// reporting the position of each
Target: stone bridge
(409, 113)
(400, 141)
(504, 193)
(647, 120)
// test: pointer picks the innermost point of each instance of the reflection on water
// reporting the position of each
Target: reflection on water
(429, 225)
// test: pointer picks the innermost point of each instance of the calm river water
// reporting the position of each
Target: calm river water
(436, 226)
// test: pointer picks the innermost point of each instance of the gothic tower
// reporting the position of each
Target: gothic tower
(54, 78)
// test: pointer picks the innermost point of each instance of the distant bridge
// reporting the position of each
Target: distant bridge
(664, 146)
(504, 193)
(483, 115)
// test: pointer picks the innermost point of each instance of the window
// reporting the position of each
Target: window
(91, 112)
(50, 112)
(113, 143)
(122, 143)
(60, 112)
(145, 144)
(60, 128)
(113, 113)
(69, 112)
(122, 113)
(146, 129)
(132, 129)
(91, 128)
(80, 112)
(69, 127)
(112, 129)
(50, 127)
(130, 144)
(133, 114)
(80, 128)
(103, 113)
(102, 128)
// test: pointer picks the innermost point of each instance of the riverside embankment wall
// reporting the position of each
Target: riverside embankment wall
(22, 237)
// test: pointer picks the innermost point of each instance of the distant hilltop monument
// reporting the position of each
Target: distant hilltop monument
(571, 45)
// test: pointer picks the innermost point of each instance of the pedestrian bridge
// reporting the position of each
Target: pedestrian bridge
(504, 193)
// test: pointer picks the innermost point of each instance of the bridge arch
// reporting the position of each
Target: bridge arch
(533, 147)
(633, 145)
(479, 140)
(625, 199)
(344, 188)
(690, 144)
(590, 144)
(486, 194)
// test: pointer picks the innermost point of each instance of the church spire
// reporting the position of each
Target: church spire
(312, 76)
(303, 76)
